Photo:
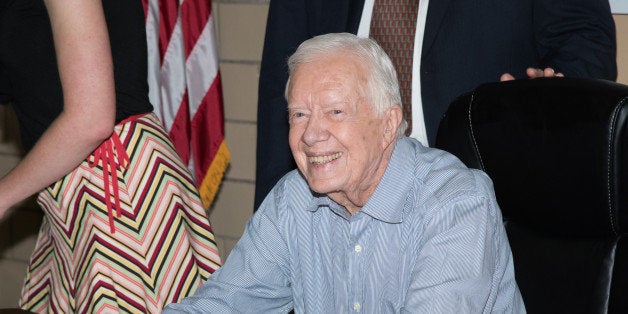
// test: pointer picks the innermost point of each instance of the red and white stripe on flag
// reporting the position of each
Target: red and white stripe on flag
(184, 86)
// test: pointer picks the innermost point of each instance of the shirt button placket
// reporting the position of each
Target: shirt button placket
(357, 248)
(356, 306)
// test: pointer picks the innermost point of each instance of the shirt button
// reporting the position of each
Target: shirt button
(357, 248)
(356, 306)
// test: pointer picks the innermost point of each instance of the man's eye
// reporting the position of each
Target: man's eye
(297, 115)
(336, 111)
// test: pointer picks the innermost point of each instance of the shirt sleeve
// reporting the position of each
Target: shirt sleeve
(464, 264)
(255, 276)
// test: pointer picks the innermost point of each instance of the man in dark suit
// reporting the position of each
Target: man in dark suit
(464, 43)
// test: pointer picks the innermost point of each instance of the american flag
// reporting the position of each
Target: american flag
(184, 84)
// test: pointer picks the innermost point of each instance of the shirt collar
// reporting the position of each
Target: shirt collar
(388, 200)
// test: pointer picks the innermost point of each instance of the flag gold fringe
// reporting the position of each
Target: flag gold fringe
(213, 177)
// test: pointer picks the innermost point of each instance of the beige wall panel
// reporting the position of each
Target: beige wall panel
(10, 146)
(241, 30)
(8, 161)
(7, 147)
(24, 224)
(216, 17)
(232, 208)
(9, 133)
(12, 278)
(228, 245)
(621, 23)
(239, 89)
(241, 140)
(5, 237)
(22, 250)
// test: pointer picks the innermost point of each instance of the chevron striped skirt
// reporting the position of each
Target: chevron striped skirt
(125, 236)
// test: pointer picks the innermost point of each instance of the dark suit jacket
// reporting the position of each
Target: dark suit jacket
(466, 43)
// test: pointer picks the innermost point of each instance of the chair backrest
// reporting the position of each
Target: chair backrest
(557, 152)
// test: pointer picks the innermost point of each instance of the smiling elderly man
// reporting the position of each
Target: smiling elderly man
(372, 221)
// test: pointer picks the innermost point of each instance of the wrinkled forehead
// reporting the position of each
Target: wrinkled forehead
(330, 71)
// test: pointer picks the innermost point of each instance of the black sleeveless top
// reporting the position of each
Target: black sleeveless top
(29, 77)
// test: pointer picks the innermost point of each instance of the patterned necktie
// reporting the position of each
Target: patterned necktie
(393, 25)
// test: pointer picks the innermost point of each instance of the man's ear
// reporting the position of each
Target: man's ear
(392, 122)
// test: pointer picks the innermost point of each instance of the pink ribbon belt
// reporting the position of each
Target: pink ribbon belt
(111, 154)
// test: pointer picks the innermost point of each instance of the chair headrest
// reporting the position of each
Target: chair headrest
(556, 149)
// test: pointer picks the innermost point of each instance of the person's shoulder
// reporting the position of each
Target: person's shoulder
(444, 177)
(445, 186)
(291, 183)
(291, 190)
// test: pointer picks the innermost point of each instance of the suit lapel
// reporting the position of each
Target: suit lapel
(435, 14)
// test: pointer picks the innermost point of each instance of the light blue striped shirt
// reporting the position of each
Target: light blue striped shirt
(429, 240)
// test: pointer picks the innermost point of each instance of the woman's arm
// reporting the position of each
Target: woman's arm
(86, 71)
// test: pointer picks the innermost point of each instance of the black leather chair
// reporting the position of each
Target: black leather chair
(557, 152)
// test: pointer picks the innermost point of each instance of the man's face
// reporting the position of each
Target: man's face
(337, 140)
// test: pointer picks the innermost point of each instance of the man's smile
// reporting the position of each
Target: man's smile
(317, 160)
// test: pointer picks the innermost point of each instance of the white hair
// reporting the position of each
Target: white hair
(382, 84)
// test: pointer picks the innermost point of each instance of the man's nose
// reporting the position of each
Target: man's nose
(315, 130)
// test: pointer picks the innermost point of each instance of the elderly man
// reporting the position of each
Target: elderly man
(372, 221)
